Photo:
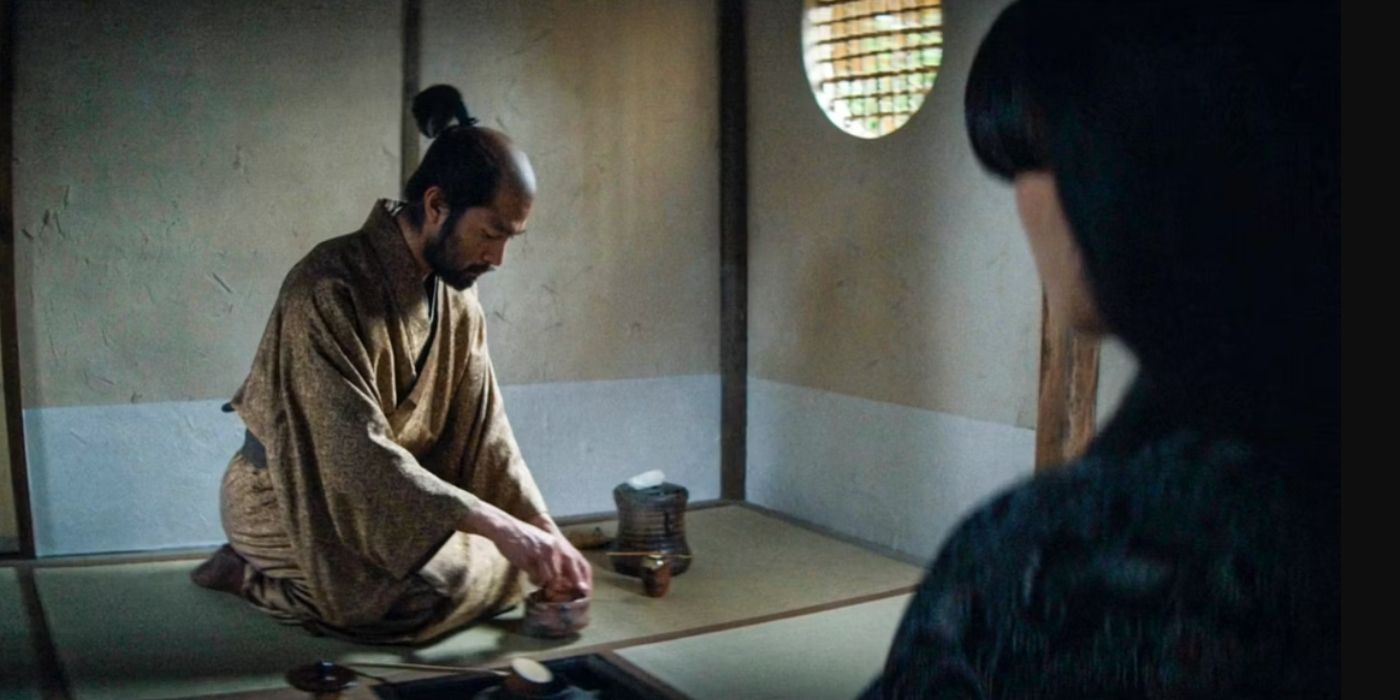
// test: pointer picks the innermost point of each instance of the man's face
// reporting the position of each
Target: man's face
(471, 243)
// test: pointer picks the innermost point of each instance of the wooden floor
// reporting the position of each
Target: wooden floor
(763, 594)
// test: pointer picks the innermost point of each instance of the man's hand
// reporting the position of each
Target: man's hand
(541, 551)
(576, 574)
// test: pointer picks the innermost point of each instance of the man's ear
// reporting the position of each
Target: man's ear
(435, 207)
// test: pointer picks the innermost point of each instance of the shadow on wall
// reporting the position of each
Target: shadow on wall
(618, 277)
(906, 475)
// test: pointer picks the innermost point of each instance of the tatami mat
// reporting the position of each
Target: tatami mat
(831, 654)
(19, 670)
(143, 630)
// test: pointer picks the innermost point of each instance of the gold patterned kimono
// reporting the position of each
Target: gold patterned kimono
(350, 527)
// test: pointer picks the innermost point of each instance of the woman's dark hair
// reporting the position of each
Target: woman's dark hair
(457, 161)
(1196, 150)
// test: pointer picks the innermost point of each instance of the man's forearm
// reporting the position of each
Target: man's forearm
(535, 545)
(487, 520)
(497, 525)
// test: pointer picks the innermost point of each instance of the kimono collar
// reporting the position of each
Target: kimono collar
(401, 272)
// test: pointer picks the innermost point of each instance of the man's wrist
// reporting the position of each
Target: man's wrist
(546, 523)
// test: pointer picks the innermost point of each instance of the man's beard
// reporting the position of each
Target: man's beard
(459, 279)
(436, 257)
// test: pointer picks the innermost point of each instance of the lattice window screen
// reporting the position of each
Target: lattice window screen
(872, 63)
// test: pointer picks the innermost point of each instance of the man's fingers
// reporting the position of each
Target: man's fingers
(538, 567)
(580, 574)
(553, 568)
(561, 570)
(539, 573)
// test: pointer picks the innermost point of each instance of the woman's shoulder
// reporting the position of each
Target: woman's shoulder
(1167, 562)
(1157, 488)
(1153, 521)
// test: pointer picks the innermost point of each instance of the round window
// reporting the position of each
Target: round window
(871, 63)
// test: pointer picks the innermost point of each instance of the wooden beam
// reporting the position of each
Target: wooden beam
(662, 689)
(53, 681)
(1069, 381)
(733, 250)
(411, 67)
(9, 333)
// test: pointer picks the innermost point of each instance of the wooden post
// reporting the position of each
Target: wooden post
(408, 128)
(733, 250)
(1069, 381)
(9, 333)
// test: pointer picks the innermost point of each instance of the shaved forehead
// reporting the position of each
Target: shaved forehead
(516, 172)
